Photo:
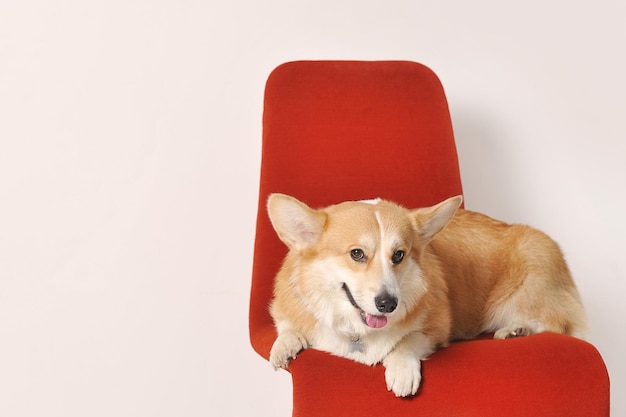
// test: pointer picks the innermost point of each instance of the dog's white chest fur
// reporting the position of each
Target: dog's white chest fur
(368, 349)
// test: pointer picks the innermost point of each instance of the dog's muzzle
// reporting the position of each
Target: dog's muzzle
(385, 303)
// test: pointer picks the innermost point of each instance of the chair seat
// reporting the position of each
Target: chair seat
(541, 375)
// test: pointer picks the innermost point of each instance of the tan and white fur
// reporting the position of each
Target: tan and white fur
(377, 283)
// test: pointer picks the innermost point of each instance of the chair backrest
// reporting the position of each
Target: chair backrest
(347, 130)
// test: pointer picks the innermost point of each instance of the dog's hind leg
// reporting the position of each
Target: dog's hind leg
(535, 307)
(516, 330)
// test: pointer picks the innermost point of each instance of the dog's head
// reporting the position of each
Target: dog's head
(357, 263)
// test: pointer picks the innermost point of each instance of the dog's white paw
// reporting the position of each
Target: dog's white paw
(402, 374)
(513, 331)
(286, 347)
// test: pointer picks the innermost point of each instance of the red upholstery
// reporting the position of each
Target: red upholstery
(542, 375)
(348, 130)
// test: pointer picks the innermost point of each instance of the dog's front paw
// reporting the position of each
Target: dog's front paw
(286, 347)
(402, 374)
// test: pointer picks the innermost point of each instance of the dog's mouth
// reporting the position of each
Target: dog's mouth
(370, 320)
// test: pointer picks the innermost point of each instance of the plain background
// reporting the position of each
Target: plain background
(130, 148)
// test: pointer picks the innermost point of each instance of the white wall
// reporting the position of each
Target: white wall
(129, 155)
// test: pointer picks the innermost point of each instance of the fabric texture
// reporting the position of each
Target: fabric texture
(352, 130)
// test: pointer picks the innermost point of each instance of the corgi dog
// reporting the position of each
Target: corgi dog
(378, 283)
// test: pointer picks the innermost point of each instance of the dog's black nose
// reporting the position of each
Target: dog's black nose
(385, 303)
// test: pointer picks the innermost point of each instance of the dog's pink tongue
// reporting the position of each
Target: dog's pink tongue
(375, 321)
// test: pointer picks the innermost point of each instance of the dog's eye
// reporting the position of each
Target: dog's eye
(358, 255)
(397, 257)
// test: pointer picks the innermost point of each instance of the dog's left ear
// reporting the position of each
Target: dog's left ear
(296, 224)
(431, 220)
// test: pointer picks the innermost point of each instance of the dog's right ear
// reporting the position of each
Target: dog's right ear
(296, 224)
(431, 220)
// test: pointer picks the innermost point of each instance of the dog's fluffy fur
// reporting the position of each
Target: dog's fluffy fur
(375, 282)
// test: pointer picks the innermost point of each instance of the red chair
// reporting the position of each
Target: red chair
(351, 130)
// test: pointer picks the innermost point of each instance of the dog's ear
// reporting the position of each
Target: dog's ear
(431, 220)
(296, 224)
